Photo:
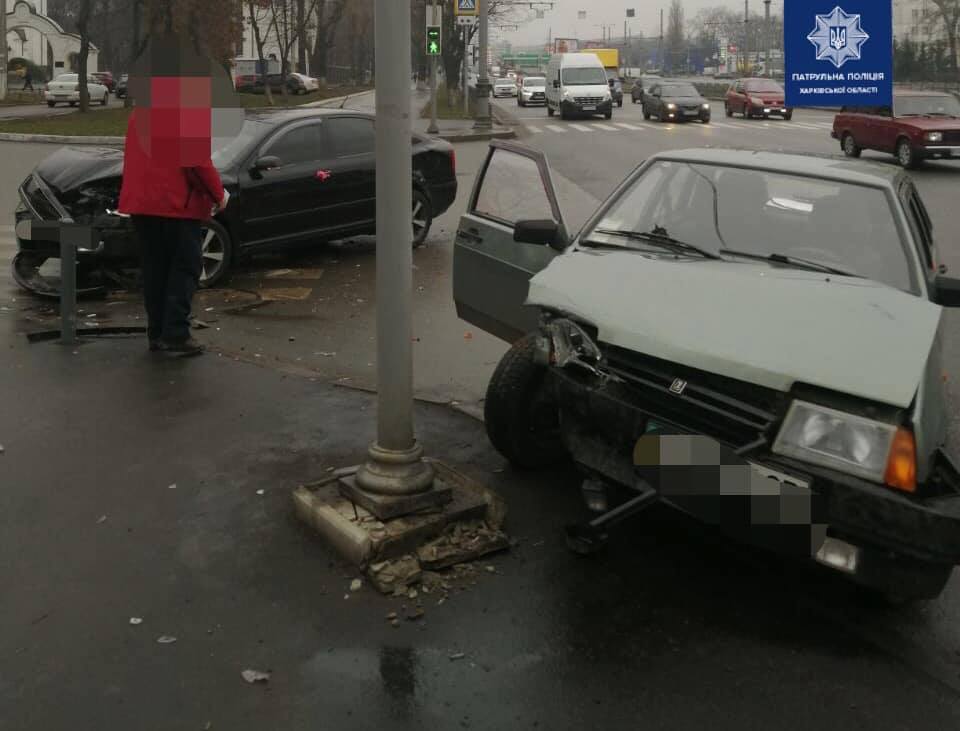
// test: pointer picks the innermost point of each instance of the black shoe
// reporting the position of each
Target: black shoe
(182, 348)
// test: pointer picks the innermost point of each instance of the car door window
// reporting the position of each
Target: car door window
(300, 144)
(920, 223)
(350, 136)
(513, 190)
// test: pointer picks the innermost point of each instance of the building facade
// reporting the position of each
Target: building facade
(33, 36)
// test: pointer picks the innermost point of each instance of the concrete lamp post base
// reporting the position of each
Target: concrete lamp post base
(394, 483)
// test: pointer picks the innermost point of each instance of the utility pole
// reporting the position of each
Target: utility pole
(767, 66)
(395, 469)
(660, 45)
(3, 49)
(483, 81)
(433, 128)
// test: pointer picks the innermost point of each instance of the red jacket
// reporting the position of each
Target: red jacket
(158, 185)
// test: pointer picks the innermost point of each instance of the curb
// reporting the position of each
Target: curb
(60, 139)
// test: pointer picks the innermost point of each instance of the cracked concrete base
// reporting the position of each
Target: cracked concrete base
(360, 538)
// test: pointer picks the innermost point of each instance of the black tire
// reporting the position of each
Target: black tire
(905, 155)
(608, 115)
(746, 112)
(849, 146)
(646, 114)
(521, 423)
(728, 110)
(705, 120)
(788, 116)
(620, 103)
(662, 117)
(422, 213)
(51, 104)
(217, 254)
(106, 98)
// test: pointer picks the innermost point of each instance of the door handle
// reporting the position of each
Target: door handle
(470, 236)
(323, 175)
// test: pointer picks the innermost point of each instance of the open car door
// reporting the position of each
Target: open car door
(491, 271)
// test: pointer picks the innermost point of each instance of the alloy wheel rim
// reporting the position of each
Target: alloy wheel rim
(419, 220)
(904, 154)
(212, 253)
(848, 145)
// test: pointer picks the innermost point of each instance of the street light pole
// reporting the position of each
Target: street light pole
(3, 49)
(433, 128)
(395, 468)
(483, 82)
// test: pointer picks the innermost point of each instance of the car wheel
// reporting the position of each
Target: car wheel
(216, 252)
(522, 422)
(662, 117)
(646, 114)
(705, 120)
(728, 110)
(746, 112)
(905, 155)
(51, 104)
(422, 217)
(788, 116)
(620, 103)
(849, 146)
(103, 102)
(608, 115)
(72, 104)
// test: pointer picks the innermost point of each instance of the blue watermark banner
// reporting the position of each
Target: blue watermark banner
(838, 52)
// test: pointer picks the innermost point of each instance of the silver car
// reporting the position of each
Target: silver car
(504, 87)
(752, 338)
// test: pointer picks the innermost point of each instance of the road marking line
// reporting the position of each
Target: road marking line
(628, 126)
(535, 130)
(605, 127)
(555, 128)
(721, 125)
(580, 127)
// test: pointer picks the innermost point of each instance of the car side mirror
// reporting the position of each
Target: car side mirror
(267, 162)
(946, 291)
(540, 232)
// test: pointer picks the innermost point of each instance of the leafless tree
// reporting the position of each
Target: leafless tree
(948, 14)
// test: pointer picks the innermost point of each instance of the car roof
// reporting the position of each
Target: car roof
(281, 116)
(828, 167)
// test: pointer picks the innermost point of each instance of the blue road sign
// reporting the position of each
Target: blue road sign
(838, 52)
(467, 4)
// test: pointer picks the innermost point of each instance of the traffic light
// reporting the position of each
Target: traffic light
(433, 40)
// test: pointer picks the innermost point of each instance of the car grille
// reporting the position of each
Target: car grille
(733, 412)
(695, 108)
(538, 95)
(588, 100)
(951, 137)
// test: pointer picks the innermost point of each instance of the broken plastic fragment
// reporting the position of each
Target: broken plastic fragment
(172, 487)
(136, 620)
(260, 491)
(355, 585)
(255, 676)
(166, 640)
(457, 656)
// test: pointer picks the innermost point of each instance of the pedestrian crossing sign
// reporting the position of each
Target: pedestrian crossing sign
(466, 7)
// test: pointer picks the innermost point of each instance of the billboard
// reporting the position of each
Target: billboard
(566, 45)
(838, 55)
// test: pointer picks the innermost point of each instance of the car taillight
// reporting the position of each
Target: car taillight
(453, 162)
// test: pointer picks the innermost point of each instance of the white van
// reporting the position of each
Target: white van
(577, 84)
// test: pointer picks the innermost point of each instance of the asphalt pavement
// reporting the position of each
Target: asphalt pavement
(671, 628)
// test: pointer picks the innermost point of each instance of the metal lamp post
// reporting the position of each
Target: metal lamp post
(483, 121)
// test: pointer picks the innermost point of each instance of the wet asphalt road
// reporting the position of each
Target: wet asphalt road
(671, 629)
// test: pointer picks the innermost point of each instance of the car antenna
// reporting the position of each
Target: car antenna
(344, 101)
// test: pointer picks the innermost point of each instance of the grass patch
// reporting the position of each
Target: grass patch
(113, 122)
(444, 108)
(19, 98)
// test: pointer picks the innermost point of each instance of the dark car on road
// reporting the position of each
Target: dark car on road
(293, 175)
(643, 85)
(122, 86)
(921, 125)
(756, 98)
(675, 101)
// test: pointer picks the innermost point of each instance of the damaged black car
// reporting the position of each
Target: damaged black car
(305, 175)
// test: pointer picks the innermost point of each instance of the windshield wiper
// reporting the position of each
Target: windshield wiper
(791, 261)
(659, 237)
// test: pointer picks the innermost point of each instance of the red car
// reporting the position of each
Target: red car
(105, 78)
(921, 125)
(756, 98)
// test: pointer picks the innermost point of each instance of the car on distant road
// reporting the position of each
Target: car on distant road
(533, 90)
(642, 86)
(757, 340)
(922, 125)
(302, 84)
(756, 98)
(105, 78)
(293, 175)
(504, 87)
(122, 86)
(676, 101)
(65, 89)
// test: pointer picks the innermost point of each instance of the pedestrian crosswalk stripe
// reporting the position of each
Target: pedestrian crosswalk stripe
(721, 125)
(580, 127)
(535, 130)
(628, 126)
(555, 128)
(605, 127)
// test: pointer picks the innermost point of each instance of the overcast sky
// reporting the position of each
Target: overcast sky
(564, 23)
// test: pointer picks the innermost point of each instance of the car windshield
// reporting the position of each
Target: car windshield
(680, 90)
(933, 105)
(538, 83)
(584, 75)
(717, 208)
(771, 87)
(251, 131)
(504, 82)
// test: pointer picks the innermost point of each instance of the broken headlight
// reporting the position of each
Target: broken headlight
(568, 343)
(836, 439)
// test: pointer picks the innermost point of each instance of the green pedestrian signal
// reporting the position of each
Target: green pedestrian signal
(433, 40)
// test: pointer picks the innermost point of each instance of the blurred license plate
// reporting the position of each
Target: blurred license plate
(589, 108)
(691, 112)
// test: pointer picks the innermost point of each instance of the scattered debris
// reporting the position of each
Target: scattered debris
(255, 676)
(208, 309)
(395, 622)
(356, 585)
(323, 354)
(468, 335)
(166, 640)
(291, 339)
(199, 324)
(415, 613)
(172, 487)
(389, 576)
(457, 656)
(136, 620)
(412, 594)
(391, 616)
(491, 569)
(101, 519)
(261, 491)
(461, 543)
(2, 450)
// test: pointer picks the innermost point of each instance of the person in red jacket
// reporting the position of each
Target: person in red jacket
(169, 188)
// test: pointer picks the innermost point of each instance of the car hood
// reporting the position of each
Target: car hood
(71, 167)
(770, 326)
(931, 123)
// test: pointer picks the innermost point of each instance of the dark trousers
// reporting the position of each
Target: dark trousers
(172, 262)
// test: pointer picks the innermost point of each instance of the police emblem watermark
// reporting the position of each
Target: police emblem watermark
(838, 37)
